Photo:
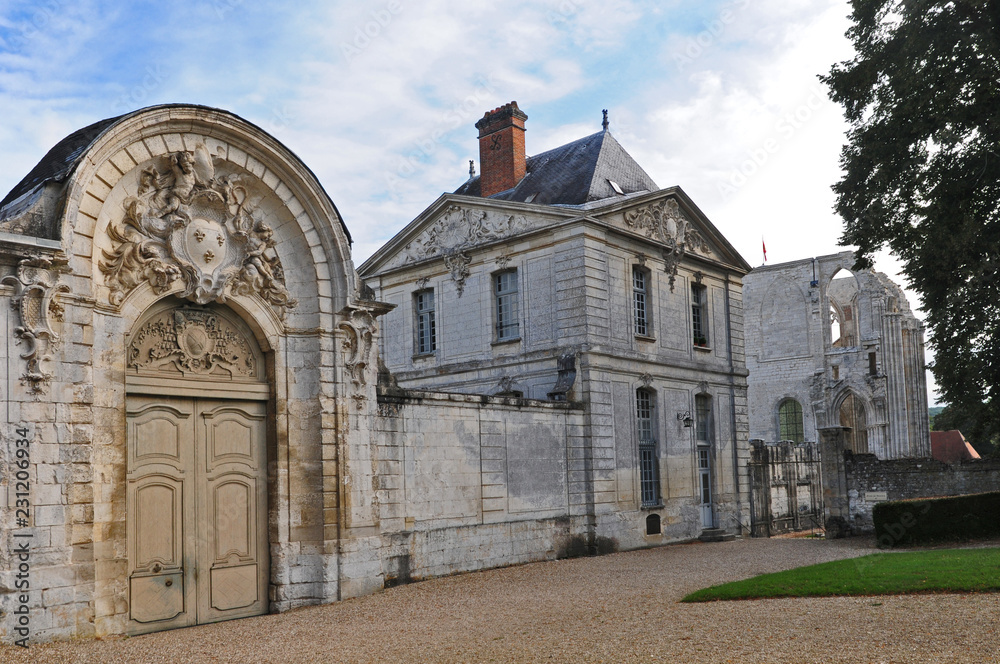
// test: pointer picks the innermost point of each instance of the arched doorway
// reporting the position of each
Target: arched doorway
(196, 459)
(852, 415)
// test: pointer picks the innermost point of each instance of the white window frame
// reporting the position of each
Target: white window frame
(425, 323)
(506, 306)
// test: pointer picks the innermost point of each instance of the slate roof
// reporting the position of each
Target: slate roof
(574, 174)
(60, 160)
(951, 447)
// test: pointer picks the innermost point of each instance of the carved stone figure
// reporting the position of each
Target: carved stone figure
(187, 223)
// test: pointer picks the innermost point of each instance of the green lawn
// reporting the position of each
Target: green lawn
(945, 570)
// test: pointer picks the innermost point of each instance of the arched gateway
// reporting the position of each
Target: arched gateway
(190, 366)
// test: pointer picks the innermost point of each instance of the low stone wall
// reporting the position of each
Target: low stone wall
(871, 480)
(469, 482)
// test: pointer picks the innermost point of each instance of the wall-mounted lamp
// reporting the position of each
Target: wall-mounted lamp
(685, 417)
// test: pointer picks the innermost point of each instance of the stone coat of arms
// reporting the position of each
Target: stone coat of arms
(187, 223)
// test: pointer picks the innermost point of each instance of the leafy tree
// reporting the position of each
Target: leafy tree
(922, 175)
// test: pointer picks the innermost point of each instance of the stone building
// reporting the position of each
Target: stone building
(829, 347)
(570, 276)
(196, 425)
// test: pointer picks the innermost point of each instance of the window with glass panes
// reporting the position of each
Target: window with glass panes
(505, 289)
(426, 326)
(703, 419)
(640, 300)
(790, 424)
(699, 314)
(649, 471)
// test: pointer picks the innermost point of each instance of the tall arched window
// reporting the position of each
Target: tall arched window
(790, 426)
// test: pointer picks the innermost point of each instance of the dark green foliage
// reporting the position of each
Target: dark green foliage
(922, 175)
(966, 420)
(919, 522)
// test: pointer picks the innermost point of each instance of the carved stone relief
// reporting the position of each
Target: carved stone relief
(665, 222)
(459, 229)
(359, 331)
(458, 264)
(36, 288)
(192, 342)
(187, 222)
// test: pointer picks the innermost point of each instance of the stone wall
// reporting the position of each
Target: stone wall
(471, 482)
(901, 479)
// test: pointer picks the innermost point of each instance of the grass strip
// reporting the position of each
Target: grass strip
(944, 570)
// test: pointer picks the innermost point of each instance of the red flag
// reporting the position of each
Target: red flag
(764, 247)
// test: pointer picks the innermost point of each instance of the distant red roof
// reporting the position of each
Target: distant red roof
(951, 447)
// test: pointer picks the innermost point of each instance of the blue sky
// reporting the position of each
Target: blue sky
(379, 98)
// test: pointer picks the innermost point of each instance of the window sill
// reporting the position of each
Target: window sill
(424, 356)
(645, 337)
(704, 349)
(654, 506)
(506, 342)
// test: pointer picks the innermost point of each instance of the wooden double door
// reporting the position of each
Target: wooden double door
(196, 511)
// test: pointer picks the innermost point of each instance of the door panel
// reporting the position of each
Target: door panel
(234, 522)
(196, 511)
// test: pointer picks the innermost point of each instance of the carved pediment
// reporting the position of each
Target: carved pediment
(194, 342)
(458, 230)
(665, 222)
(186, 222)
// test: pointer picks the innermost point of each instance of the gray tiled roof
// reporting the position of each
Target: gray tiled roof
(574, 174)
(60, 160)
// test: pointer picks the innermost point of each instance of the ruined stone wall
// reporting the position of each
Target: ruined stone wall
(870, 480)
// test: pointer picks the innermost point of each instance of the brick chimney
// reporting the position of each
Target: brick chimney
(501, 149)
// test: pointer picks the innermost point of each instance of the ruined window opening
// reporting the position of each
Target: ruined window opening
(872, 364)
(790, 423)
(649, 469)
(699, 314)
(653, 524)
(640, 301)
(425, 323)
(505, 288)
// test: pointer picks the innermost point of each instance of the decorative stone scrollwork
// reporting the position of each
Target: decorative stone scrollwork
(458, 264)
(665, 222)
(357, 345)
(459, 229)
(503, 261)
(185, 222)
(646, 379)
(36, 288)
(194, 342)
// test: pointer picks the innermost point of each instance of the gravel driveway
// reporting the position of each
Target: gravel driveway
(617, 608)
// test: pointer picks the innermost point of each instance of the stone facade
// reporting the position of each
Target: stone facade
(197, 427)
(825, 351)
(574, 283)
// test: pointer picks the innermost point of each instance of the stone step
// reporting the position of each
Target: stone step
(716, 535)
